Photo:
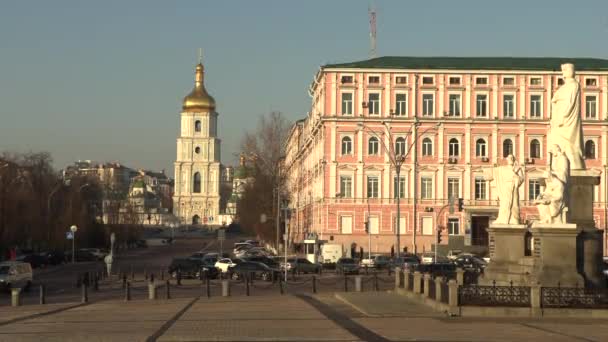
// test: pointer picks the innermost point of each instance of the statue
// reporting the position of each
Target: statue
(565, 127)
(109, 259)
(508, 178)
(552, 203)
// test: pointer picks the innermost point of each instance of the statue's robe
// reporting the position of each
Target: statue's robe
(565, 110)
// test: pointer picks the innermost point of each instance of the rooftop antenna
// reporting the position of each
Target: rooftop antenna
(200, 55)
(372, 30)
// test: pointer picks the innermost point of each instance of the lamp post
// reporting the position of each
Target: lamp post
(397, 158)
(73, 228)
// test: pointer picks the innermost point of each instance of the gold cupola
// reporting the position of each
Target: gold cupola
(198, 99)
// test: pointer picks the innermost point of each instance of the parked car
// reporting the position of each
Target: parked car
(54, 257)
(239, 246)
(223, 265)
(198, 256)
(15, 274)
(270, 262)
(80, 256)
(347, 266)
(253, 242)
(35, 260)
(453, 253)
(97, 252)
(405, 262)
(189, 268)
(255, 270)
(429, 257)
(301, 265)
(440, 269)
(470, 263)
(256, 251)
(141, 244)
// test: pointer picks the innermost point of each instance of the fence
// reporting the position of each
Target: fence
(514, 296)
(577, 297)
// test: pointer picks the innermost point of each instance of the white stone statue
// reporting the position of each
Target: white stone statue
(552, 204)
(507, 179)
(565, 127)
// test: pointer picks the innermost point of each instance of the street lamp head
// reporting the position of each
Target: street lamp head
(73, 228)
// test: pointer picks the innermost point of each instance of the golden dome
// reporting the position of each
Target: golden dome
(198, 97)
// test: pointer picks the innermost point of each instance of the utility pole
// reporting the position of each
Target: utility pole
(278, 215)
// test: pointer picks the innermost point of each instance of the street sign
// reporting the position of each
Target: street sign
(69, 235)
(221, 234)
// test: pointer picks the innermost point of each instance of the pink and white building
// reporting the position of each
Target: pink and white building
(451, 118)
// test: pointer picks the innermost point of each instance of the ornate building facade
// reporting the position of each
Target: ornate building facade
(196, 198)
(448, 119)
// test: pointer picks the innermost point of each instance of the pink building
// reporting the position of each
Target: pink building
(450, 118)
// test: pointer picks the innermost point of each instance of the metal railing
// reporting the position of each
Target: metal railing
(515, 296)
(573, 297)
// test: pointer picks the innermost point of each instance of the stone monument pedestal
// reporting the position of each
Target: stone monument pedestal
(506, 244)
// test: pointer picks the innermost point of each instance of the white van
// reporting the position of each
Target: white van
(15, 274)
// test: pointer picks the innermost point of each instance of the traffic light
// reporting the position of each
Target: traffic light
(460, 204)
(439, 231)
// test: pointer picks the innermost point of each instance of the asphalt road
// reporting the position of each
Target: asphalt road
(60, 281)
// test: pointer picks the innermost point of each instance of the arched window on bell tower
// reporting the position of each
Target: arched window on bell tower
(197, 126)
(196, 188)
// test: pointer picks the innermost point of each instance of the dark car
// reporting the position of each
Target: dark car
(301, 265)
(347, 266)
(438, 269)
(406, 262)
(54, 257)
(83, 255)
(255, 270)
(35, 260)
(191, 269)
(264, 260)
(470, 263)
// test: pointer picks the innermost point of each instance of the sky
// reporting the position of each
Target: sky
(104, 80)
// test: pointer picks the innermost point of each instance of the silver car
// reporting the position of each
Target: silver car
(14, 274)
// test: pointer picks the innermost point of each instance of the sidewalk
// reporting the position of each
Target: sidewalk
(385, 304)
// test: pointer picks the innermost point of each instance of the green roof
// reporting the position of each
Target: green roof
(476, 63)
(242, 172)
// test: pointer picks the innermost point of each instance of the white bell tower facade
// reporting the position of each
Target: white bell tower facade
(196, 198)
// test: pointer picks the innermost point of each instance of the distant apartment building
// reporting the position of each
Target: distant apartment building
(449, 118)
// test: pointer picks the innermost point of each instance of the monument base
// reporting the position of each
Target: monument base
(507, 248)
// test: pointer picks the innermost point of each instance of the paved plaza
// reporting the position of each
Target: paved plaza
(352, 317)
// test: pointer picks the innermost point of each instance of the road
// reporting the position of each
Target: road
(61, 281)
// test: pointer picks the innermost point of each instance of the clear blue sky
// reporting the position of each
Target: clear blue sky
(104, 80)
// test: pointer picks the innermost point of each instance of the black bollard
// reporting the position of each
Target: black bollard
(132, 273)
(247, 278)
(128, 292)
(162, 274)
(152, 278)
(42, 294)
(78, 280)
(208, 287)
(314, 284)
(85, 294)
(345, 283)
(179, 277)
(124, 281)
(281, 286)
(375, 282)
(168, 289)
(145, 274)
(96, 283)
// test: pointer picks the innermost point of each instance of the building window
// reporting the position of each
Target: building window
(346, 224)
(453, 226)
(374, 103)
(372, 186)
(481, 81)
(508, 81)
(507, 148)
(535, 106)
(481, 148)
(428, 80)
(453, 187)
(454, 105)
(454, 80)
(480, 189)
(197, 150)
(591, 82)
(591, 107)
(401, 79)
(428, 105)
(346, 79)
(347, 145)
(453, 148)
(399, 187)
(400, 146)
(536, 81)
(400, 104)
(508, 106)
(346, 184)
(534, 149)
(347, 103)
(427, 147)
(372, 146)
(197, 125)
(373, 80)
(196, 184)
(426, 187)
(589, 149)
(533, 189)
(482, 105)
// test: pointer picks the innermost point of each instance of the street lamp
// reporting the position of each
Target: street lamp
(397, 158)
(73, 228)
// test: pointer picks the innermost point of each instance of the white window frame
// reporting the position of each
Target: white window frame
(487, 105)
(597, 82)
(343, 191)
(540, 146)
(426, 107)
(450, 107)
(348, 75)
(352, 101)
(596, 147)
(530, 182)
(502, 146)
(481, 181)
(402, 187)
(485, 149)
(369, 144)
(401, 105)
(514, 106)
(454, 85)
(425, 145)
(595, 117)
(502, 81)
(369, 103)
(477, 78)
(403, 148)
(367, 186)
(426, 193)
(453, 177)
(401, 75)
(540, 116)
(450, 155)
(530, 78)
(426, 76)
(374, 75)
(450, 226)
(352, 143)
